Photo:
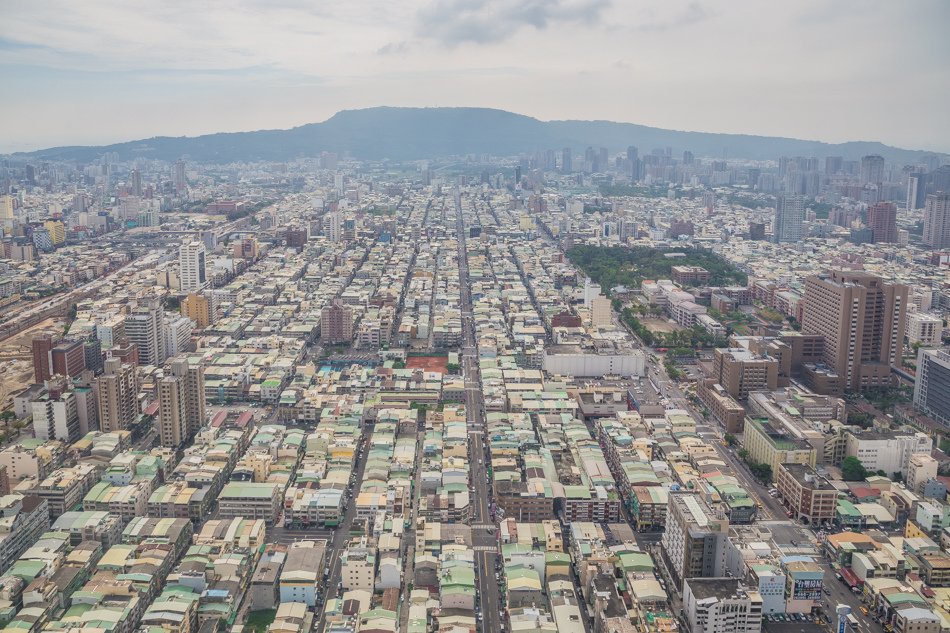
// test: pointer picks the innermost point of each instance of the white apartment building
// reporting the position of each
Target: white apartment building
(191, 263)
(721, 605)
(923, 328)
(358, 566)
(890, 452)
(177, 335)
(56, 419)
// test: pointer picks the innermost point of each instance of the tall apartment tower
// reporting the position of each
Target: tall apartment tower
(336, 323)
(566, 161)
(56, 418)
(872, 169)
(118, 388)
(144, 328)
(882, 220)
(862, 320)
(916, 190)
(68, 358)
(199, 308)
(932, 384)
(192, 380)
(191, 263)
(171, 411)
(42, 363)
(937, 220)
(334, 229)
(789, 217)
(178, 177)
(135, 183)
(694, 542)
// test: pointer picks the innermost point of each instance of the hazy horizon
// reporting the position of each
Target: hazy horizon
(106, 72)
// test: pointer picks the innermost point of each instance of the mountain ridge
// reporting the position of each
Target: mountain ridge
(426, 133)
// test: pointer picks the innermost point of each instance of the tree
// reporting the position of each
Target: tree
(853, 470)
(762, 472)
(730, 439)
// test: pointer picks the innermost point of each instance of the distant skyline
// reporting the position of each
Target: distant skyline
(107, 71)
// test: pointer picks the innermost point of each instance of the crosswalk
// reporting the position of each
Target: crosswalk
(484, 548)
(483, 526)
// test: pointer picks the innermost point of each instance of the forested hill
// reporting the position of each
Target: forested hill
(429, 133)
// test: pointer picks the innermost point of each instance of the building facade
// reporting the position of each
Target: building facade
(862, 320)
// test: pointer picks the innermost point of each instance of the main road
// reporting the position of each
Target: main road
(342, 534)
(483, 541)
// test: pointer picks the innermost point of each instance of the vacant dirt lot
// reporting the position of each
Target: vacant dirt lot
(429, 363)
(660, 325)
(16, 359)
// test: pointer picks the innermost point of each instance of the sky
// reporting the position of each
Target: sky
(103, 71)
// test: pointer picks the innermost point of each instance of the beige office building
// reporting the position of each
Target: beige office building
(118, 404)
(862, 320)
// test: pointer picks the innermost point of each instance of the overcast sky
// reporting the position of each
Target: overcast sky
(101, 71)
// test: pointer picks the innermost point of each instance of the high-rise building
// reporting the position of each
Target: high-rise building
(118, 390)
(144, 328)
(932, 384)
(937, 220)
(789, 217)
(833, 165)
(882, 220)
(336, 323)
(741, 372)
(756, 230)
(177, 332)
(694, 542)
(334, 228)
(7, 216)
(862, 320)
(57, 231)
(872, 169)
(566, 161)
(191, 376)
(92, 355)
(68, 359)
(199, 308)
(171, 411)
(721, 605)
(178, 177)
(191, 263)
(42, 239)
(56, 418)
(601, 312)
(135, 183)
(42, 363)
(916, 192)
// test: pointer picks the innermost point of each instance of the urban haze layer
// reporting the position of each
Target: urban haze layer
(575, 390)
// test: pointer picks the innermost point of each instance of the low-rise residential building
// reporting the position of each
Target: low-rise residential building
(250, 500)
(22, 519)
(302, 573)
